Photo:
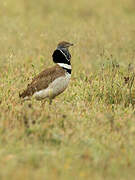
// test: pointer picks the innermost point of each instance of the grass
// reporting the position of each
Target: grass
(88, 132)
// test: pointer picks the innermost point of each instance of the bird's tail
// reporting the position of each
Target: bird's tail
(23, 94)
(26, 94)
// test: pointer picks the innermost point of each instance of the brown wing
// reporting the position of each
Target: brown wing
(42, 80)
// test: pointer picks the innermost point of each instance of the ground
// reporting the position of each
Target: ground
(89, 131)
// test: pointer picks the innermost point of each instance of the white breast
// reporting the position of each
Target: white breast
(55, 88)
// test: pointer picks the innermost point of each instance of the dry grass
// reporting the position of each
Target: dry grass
(88, 132)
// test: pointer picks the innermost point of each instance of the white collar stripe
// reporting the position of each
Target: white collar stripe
(64, 65)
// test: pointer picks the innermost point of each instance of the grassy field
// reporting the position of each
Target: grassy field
(89, 130)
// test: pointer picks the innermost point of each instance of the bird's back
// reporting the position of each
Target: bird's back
(43, 80)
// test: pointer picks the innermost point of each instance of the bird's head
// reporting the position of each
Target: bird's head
(61, 53)
(64, 44)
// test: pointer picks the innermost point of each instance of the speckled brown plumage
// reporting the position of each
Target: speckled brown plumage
(42, 80)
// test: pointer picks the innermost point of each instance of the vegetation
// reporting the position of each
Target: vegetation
(89, 130)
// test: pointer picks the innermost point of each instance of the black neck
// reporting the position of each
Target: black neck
(61, 56)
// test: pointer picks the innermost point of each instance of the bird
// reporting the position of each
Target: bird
(54, 80)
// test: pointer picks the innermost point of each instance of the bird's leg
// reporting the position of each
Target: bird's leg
(50, 96)
(50, 101)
